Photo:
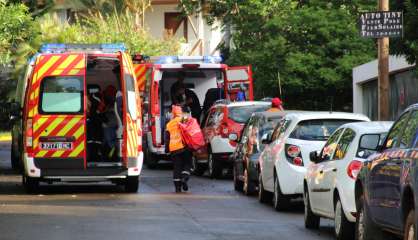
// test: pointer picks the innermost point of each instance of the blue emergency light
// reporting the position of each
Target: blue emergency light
(63, 47)
(188, 59)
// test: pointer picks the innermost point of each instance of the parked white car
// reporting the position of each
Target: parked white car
(330, 178)
(283, 162)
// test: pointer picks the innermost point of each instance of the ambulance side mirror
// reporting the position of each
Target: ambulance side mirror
(14, 110)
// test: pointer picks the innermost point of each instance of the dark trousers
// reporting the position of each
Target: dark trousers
(182, 164)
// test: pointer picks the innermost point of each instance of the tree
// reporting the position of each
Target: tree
(311, 45)
(408, 45)
(16, 27)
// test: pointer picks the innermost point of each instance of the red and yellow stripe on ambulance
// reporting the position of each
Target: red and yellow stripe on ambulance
(131, 131)
(59, 126)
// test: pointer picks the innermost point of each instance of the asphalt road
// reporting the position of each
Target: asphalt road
(212, 210)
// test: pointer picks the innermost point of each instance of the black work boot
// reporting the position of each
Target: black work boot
(177, 186)
(184, 183)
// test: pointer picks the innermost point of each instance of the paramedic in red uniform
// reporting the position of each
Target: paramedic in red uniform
(179, 154)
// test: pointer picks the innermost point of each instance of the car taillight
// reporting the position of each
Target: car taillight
(353, 168)
(293, 154)
(293, 151)
(298, 161)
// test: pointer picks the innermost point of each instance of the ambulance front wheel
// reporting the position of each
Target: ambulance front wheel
(30, 184)
(132, 184)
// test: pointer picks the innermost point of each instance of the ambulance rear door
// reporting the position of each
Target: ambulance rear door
(130, 114)
(57, 111)
(237, 78)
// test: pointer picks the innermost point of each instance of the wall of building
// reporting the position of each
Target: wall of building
(211, 35)
(403, 82)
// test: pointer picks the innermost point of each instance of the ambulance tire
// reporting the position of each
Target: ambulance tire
(132, 184)
(151, 160)
(30, 184)
(14, 160)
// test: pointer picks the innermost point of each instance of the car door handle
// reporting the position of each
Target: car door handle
(334, 169)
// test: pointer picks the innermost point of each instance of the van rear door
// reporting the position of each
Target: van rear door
(130, 95)
(237, 77)
(57, 111)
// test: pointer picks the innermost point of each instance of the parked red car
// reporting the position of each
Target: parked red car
(222, 128)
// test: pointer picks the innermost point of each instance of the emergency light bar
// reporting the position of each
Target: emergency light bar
(189, 59)
(62, 47)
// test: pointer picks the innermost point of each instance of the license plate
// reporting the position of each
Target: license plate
(56, 146)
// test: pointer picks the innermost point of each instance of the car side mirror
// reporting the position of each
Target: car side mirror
(14, 110)
(315, 157)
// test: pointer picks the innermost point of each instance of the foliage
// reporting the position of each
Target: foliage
(98, 28)
(16, 27)
(312, 45)
(408, 45)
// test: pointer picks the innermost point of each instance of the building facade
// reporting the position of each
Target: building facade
(402, 92)
(164, 18)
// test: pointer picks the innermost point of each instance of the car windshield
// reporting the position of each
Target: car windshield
(241, 114)
(317, 129)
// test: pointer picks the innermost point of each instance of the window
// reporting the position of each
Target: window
(344, 143)
(247, 128)
(317, 129)
(280, 129)
(410, 132)
(393, 137)
(215, 116)
(130, 89)
(331, 145)
(242, 113)
(62, 94)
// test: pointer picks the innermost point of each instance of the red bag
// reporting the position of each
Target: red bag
(192, 134)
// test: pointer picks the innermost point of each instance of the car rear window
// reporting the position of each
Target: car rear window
(62, 94)
(317, 129)
(241, 114)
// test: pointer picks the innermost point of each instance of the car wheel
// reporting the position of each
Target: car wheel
(263, 195)
(311, 220)
(365, 227)
(237, 183)
(215, 171)
(343, 229)
(30, 184)
(197, 169)
(280, 201)
(249, 187)
(410, 228)
(132, 184)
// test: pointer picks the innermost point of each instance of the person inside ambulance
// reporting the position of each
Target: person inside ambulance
(184, 97)
(110, 122)
(177, 150)
(94, 123)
